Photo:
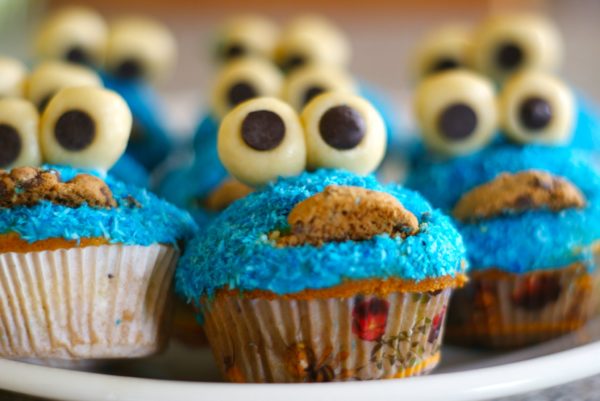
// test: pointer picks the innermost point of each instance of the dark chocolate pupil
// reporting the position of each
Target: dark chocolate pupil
(10, 145)
(445, 64)
(240, 92)
(342, 127)
(535, 113)
(509, 56)
(311, 93)
(263, 130)
(292, 62)
(234, 50)
(457, 122)
(129, 69)
(75, 130)
(77, 55)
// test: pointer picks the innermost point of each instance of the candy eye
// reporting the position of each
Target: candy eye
(242, 80)
(140, 48)
(507, 44)
(311, 40)
(246, 35)
(19, 145)
(305, 83)
(456, 112)
(343, 131)
(12, 77)
(51, 76)
(261, 140)
(537, 107)
(444, 49)
(85, 127)
(75, 34)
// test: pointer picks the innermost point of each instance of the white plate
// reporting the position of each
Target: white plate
(183, 374)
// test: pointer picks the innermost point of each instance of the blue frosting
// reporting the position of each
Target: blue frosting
(151, 143)
(525, 242)
(156, 221)
(235, 251)
(128, 170)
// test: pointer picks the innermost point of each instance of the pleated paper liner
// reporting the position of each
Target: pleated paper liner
(97, 302)
(502, 310)
(326, 339)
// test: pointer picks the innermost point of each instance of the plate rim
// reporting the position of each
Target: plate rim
(476, 384)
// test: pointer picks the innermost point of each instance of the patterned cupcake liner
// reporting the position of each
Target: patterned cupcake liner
(502, 310)
(85, 303)
(326, 339)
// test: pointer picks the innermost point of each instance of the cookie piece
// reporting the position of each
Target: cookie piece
(517, 193)
(342, 213)
(26, 186)
(228, 192)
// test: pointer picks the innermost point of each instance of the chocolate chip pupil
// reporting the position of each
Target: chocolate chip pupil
(234, 50)
(535, 113)
(294, 61)
(509, 56)
(240, 92)
(457, 122)
(263, 130)
(311, 93)
(129, 69)
(445, 64)
(10, 145)
(77, 55)
(342, 127)
(75, 130)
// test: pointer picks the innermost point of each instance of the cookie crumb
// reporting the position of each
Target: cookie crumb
(517, 193)
(342, 213)
(27, 186)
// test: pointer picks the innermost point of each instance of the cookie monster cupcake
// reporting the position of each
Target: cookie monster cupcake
(85, 260)
(325, 275)
(523, 204)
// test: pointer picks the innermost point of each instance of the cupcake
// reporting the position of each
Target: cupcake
(86, 261)
(132, 55)
(522, 202)
(325, 275)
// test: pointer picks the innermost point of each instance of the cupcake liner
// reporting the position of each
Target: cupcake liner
(503, 310)
(81, 303)
(326, 339)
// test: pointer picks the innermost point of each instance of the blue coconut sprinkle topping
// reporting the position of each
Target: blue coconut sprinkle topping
(534, 240)
(235, 251)
(141, 218)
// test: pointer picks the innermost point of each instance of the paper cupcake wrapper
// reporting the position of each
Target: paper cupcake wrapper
(501, 310)
(94, 302)
(327, 339)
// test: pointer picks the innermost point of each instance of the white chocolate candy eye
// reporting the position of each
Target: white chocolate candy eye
(74, 34)
(19, 143)
(305, 83)
(343, 131)
(309, 40)
(85, 127)
(140, 48)
(12, 77)
(260, 140)
(51, 76)
(242, 80)
(444, 49)
(537, 107)
(504, 45)
(456, 112)
(246, 35)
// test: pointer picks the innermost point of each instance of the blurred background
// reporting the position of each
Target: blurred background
(383, 32)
